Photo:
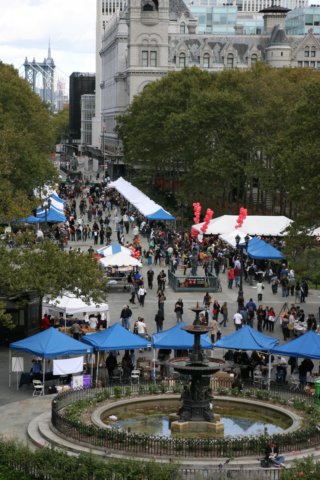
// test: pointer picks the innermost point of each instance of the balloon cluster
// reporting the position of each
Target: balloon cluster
(135, 253)
(207, 219)
(194, 232)
(241, 218)
(196, 212)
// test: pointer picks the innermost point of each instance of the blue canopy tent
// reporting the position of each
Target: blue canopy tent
(112, 249)
(177, 339)
(305, 346)
(161, 215)
(49, 344)
(259, 250)
(248, 339)
(54, 214)
(115, 338)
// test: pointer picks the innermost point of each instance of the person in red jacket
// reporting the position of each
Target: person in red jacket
(230, 277)
(45, 322)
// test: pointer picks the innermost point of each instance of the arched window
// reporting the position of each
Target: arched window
(230, 60)
(307, 52)
(254, 58)
(206, 60)
(182, 28)
(149, 5)
(313, 51)
(182, 60)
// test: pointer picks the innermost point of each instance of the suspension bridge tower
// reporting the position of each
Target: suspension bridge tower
(45, 70)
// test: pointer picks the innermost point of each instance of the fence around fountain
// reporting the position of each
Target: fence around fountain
(143, 444)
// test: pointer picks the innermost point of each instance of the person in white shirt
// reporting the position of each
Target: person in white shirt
(141, 327)
(86, 318)
(141, 295)
(237, 318)
(93, 322)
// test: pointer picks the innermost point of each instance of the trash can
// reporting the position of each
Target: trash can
(317, 391)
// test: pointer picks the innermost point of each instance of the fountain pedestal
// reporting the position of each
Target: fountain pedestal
(196, 413)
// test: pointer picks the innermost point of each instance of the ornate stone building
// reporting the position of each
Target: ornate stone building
(153, 37)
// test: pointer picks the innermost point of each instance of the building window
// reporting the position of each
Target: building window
(318, 64)
(206, 60)
(307, 52)
(313, 64)
(281, 54)
(306, 64)
(300, 64)
(153, 59)
(254, 59)
(145, 58)
(182, 60)
(230, 60)
(182, 28)
(313, 51)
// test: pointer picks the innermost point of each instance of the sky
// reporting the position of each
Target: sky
(27, 26)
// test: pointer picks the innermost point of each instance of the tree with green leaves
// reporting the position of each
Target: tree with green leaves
(230, 138)
(45, 269)
(27, 132)
(25, 142)
(60, 125)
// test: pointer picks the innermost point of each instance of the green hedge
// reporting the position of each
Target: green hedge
(49, 464)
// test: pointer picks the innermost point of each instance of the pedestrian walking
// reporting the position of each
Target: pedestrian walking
(150, 276)
(159, 320)
(237, 318)
(224, 312)
(125, 316)
(178, 309)
(142, 295)
(260, 288)
(161, 300)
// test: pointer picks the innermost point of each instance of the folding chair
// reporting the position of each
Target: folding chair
(294, 383)
(135, 376)
(38, 388)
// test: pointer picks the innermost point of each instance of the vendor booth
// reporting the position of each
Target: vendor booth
(252, 225)
(140, 201)
(70, 304)
(247, 338)
(113, 339)
(49, 344)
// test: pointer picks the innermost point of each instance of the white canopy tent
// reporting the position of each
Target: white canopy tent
(139, 200)
(252, 225)
(69, 304)
(230, 238)
(120, 260)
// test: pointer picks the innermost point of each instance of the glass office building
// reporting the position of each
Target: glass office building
(300, 20)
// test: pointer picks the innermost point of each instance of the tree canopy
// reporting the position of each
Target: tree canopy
(25, 142)
(235, 137)
(27, 133)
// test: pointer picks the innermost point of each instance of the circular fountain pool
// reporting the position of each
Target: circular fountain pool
(239, 418)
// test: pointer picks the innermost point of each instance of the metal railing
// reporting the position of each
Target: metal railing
(192, 283)
(228, 447)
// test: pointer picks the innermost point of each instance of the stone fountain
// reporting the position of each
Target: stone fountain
(196, 413)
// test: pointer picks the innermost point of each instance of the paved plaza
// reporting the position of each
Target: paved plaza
(18, 407)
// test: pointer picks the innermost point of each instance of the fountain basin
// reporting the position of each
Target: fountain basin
(284, 420)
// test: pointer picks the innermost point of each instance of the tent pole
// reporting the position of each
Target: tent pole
(10, 367)
(97, 371)
(43, 372)
(269, 371)
(154, 365)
